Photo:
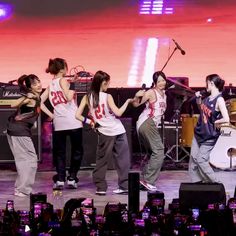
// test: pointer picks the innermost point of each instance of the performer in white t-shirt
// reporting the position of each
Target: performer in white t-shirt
(149, 119)
(64, 103)
(111, 133)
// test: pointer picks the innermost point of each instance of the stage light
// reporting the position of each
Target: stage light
(155, 7)
(209, 20)
(5, 11)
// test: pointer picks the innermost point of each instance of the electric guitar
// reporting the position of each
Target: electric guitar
(223, 155)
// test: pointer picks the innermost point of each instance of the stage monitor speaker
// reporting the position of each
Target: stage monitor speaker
(5, 151)
(200, 195)
(133, 197)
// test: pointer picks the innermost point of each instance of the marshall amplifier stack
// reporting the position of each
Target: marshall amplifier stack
(8, 93)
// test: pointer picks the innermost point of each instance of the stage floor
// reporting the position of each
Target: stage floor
(169, 182)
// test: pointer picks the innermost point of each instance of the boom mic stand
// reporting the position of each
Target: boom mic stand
(169, 58)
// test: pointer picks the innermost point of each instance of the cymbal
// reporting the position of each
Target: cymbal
(175, 82)
(181, 92)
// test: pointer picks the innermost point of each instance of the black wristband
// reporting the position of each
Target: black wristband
(72, 86)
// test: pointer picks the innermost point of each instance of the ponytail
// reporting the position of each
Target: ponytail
(55, 65)
(25, 82)
(217, 80)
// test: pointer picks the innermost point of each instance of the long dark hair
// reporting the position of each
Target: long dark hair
(217, 80)
(55, 65)
(98, 78)
(25, 82)
(156, 75)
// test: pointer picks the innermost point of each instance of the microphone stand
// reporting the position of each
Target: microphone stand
(169, 58)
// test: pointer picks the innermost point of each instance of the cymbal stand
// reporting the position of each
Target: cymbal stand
(176, 148)
(231, 156)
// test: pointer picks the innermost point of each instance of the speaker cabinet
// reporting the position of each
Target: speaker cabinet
(5, 151)
(200, 195)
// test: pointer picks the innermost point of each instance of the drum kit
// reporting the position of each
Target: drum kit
(178, 151)
(219, 157)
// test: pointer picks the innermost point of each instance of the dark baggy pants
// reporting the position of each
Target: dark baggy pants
(118, 146)
(59, 153)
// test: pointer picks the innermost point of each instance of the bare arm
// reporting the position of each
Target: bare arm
(20, 101)
(117, 111)
(44, 97)
(144, 95)
(79, 112)
(223, 110)
(65, 85)
(80, 109)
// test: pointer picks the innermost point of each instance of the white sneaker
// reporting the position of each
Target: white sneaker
(101, 193)
(20, 194)
(71, 184)
(148, 186)
(120, 191)
(59, 185)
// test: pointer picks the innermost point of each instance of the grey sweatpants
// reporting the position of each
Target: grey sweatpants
(150, 137)
(118, 146)
(199, 167)
(26, 162)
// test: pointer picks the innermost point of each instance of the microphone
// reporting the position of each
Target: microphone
(143, 87)
(178, 47)
(203, 93)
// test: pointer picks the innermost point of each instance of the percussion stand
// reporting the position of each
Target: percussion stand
(230, 153)
(176, 147)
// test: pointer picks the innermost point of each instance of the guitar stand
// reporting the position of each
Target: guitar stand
(175, 150)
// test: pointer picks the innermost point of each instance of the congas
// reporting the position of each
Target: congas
(231, 106)
(223, 155)
(188, 123)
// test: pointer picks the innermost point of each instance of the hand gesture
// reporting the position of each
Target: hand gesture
(198, 94)
(49, 119)
(92, 124)
(130, 100)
